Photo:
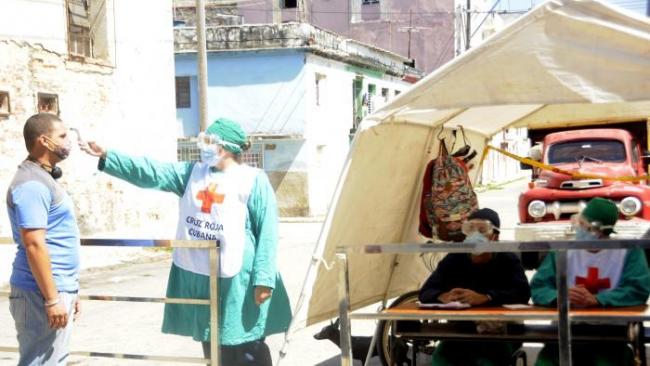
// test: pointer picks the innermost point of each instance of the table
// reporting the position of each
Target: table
(623, 324)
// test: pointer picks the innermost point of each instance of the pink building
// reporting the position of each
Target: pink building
(422, 30)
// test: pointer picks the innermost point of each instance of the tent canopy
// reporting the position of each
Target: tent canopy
(565, 63)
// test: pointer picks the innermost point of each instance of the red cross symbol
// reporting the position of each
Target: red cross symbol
(592, 283)
(208, 197)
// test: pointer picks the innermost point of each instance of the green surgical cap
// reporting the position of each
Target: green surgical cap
(601, 210)
(230, 131)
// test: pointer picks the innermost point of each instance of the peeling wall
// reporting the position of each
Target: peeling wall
(126, 104)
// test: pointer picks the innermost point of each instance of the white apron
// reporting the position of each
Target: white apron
(214, 207)
(596, 271)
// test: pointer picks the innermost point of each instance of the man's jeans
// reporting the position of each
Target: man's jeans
(39, 344)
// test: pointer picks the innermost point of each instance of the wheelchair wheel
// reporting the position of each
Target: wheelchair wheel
(386, 343)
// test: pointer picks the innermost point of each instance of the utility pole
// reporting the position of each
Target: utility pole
(202, 65)
(468, 25)
(277, 13)
(303, 15)
(410, 29)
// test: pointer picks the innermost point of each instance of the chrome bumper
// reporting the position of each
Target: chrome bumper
(632, 229)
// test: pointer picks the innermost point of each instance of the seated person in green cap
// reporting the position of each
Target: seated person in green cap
(220, 199)
(597, 278)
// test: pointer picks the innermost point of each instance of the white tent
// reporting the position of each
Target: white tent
(564, 63)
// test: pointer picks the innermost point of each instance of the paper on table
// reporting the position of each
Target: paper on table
(449, 305)
(517, 306)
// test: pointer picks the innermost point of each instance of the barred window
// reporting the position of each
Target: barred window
(183, 96)
(48, 103)
(187, 150)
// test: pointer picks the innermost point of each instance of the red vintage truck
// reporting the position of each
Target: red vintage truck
(611, 150)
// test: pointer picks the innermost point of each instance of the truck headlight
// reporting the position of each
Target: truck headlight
(537, 209)
(630, 206)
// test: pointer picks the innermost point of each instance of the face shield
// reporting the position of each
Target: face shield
(579, 222)
(206, 141)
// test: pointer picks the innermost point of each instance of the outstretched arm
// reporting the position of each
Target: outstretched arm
(141, 171)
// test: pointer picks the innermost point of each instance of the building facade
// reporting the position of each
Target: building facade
(102, 71)
(421, 30)
(298, 90)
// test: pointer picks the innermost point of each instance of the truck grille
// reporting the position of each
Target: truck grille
(582, 184)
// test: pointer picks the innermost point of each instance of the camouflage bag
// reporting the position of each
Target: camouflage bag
(452, 198)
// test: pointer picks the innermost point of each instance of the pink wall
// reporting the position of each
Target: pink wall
(382, 25)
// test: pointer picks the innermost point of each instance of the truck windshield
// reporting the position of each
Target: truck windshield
(587, 151)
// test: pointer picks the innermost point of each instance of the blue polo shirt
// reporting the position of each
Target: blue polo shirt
(36, 201)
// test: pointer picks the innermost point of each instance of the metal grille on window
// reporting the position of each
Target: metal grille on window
(183, 95)
(254, 156)
(187, 150)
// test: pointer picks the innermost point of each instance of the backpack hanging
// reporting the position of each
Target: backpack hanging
(451, 199)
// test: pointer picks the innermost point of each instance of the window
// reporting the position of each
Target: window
(357, 102)
(48, 103)
(183, 96)
(369, 101)
(397, 92)
(79, 41)
(384, 94)
(5, 108)
(290, 4)
(370, 2)
(320, 83)
(587, 151)
(87, 29)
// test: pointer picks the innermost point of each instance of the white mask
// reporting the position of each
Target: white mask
(476, 238)
(210, 155)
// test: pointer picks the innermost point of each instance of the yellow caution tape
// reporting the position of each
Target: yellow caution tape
(551, 168)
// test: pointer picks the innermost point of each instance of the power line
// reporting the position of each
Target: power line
(523, 11)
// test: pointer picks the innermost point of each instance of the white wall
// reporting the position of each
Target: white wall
(328, 124)
(126, 103)
(41, 22)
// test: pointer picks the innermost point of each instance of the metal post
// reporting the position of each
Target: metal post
(564, 326)
(202, 64)
(468, 25)
(214, 305)
(344, 309)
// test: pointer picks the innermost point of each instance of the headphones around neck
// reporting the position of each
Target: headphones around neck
(54, 171)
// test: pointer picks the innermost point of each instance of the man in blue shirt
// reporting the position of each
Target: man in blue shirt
(44, 280)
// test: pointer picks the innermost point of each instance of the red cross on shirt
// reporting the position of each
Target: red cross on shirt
(209, 196)
(592, 283)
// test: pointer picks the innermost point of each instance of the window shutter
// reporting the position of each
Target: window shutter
(78, 11)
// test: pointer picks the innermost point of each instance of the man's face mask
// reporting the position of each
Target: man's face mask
(476, 238)
(61, 151)
(586, 230)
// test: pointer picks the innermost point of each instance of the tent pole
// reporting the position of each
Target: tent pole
(312, 271)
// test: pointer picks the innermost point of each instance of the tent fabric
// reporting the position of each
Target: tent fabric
(565, 63)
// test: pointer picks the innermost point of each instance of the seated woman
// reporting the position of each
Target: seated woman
(597, 278)
(478, 279)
